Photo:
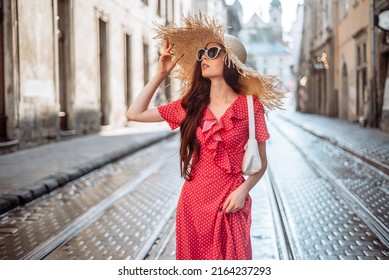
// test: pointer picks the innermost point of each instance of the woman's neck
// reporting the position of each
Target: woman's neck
(221, 92)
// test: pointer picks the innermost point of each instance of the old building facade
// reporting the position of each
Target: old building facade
(316, 70)
(71, 67)
(381, 53)
(354, 67)
(343, 61)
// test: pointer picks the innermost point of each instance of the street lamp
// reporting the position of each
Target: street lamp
(383, 20)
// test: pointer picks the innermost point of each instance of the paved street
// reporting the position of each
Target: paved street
(323, 197)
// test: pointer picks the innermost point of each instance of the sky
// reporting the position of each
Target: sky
(261, 7)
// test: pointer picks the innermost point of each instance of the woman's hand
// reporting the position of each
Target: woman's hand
(166, 64)
(235, 201)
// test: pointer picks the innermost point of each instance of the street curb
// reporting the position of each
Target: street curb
(37, 189)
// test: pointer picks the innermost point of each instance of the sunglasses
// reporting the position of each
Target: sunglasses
(212, 53)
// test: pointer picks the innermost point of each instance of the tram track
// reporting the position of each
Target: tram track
(353, 200)
(131, 220)
(89, 216)
(287, 248)
(46, 226)
(109, 215)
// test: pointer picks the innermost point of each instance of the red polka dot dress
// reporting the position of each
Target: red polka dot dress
(203, 232)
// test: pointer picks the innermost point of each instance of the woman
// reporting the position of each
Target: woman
(214, 210)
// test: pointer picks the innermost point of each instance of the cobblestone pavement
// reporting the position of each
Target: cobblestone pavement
(123, 230)
(370, 144)
(31, 226)
(31, 173)
(324, 222)
(330, 204)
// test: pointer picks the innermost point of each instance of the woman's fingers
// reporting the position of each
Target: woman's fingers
(166, 44)
(225, 204)
(233, 204)
(169, 49)
(228, 206)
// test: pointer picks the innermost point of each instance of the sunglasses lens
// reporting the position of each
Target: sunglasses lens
(200, 54)
(213, 52)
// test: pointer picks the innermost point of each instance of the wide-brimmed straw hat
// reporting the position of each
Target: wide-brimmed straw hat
(196, 33)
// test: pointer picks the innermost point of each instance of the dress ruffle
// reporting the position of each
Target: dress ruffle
(211, 136)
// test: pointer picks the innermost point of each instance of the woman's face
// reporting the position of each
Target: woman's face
(211, 68)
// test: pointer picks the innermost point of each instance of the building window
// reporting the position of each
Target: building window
(345, 6)
(340, 10)
(170, 10)
(364, 53)
(127, 70)
(159, 8)
(145, 63)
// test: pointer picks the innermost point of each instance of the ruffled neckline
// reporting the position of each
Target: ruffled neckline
(212, 130)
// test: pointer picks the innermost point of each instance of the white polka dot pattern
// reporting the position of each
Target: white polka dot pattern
(203, 231)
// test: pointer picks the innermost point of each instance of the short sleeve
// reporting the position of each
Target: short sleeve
(172, 113)
(261, 132)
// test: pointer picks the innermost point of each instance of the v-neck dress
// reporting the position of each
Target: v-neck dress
(203, 231)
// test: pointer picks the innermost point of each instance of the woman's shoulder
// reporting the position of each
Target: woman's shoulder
(242, 104)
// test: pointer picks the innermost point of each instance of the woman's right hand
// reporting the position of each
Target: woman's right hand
(166, 64)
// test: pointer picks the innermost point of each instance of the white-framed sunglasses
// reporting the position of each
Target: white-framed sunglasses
(212, 53)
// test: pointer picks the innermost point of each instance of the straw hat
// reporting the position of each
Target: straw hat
(196, 33)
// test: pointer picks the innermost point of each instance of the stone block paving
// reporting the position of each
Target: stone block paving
(369, 186)
(322, 224)
(124, 229)
(27, 227)
(368, 143)
(31, 173)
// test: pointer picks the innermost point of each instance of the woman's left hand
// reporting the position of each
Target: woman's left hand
(235, 201)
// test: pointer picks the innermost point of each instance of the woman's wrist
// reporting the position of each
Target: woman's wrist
(246, 187)
(160, 76)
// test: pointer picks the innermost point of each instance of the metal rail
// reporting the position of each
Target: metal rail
(91, 215)
(287, 249)
(375, 225)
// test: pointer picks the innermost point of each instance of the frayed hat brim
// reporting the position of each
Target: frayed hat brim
(197, 32)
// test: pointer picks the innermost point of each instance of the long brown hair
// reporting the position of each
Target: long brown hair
(194, 103)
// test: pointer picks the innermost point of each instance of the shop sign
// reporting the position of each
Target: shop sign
(317, 66)
(320, 63)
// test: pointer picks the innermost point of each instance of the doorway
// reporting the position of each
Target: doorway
(3, 117)
(64, 61)
(127, 70)
(344, 93)
(103, 68)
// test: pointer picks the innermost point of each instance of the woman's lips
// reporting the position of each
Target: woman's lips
(204, 66)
